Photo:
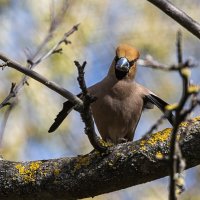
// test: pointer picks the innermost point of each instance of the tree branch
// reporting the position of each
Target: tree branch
(176, 157)
(63, 92)
(35, 59)
(178, 15)
(89, 175)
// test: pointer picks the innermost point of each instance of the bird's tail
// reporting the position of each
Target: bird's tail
(67, 108)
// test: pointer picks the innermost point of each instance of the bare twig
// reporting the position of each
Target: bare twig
(179, 48)
(34, 59)
(150, 62)
(178, 15)
(56, 47)
(194, 103)
(176, 158)
(31, 62)
(12, 93)
(63, 92)
(154, 126)
(55, 20)
(175, 153)
(86, 113)
(4, 121)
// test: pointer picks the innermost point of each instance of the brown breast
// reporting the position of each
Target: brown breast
(117, 109)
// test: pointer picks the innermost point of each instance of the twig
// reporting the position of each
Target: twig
(55, 21)
(4, 121)
(177, 162)
(176, 158)
(174, 145)
(30, 61)
(86, 113)
(33, 64)
(12, 94)
(150, 62)
(154, 126)
(56, 48)
(55, 87)
(179, 48)
(178, 15)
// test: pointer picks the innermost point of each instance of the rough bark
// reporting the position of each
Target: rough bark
(89, 175)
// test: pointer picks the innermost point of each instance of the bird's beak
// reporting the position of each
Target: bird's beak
(122, 65)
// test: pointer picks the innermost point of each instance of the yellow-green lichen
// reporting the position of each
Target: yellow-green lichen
(171, 106)
(196, 119)
(105, 144)
(193, 89)
(56, 172)
(185, 124)
(28, 172)
(159, 155)
(81, 161)
(34, 166)
(160, 136)
(186, 72)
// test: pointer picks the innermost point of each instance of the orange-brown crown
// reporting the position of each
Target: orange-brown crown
(127, 51)
(131, 54)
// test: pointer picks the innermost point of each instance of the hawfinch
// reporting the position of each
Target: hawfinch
(120, 100)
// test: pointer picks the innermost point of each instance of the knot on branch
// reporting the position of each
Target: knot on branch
(5, 64)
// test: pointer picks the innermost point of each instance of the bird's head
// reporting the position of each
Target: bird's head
(124, 64)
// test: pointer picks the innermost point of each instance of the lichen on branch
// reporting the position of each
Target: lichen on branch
(92, 174)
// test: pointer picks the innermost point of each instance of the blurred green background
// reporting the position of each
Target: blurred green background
(104, 24)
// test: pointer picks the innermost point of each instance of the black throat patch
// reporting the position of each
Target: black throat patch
(120, 74)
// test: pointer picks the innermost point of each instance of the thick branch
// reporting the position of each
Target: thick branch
(178, 15)
(89, 175)
(55, 87)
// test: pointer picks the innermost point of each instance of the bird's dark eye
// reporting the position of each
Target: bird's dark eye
(132, 62)
(116, 58)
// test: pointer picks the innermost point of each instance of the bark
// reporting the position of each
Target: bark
(89, 175)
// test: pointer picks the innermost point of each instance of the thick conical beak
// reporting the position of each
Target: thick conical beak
(122, 65)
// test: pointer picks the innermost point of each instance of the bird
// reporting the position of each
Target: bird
(119, 99)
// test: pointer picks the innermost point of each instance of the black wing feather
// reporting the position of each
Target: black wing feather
(67, 108)
(161, 105)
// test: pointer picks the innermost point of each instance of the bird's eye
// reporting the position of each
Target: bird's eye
(132, 62)
(116, 58)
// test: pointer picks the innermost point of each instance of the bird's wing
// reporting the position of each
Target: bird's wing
(67, 108)
(152, 98)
